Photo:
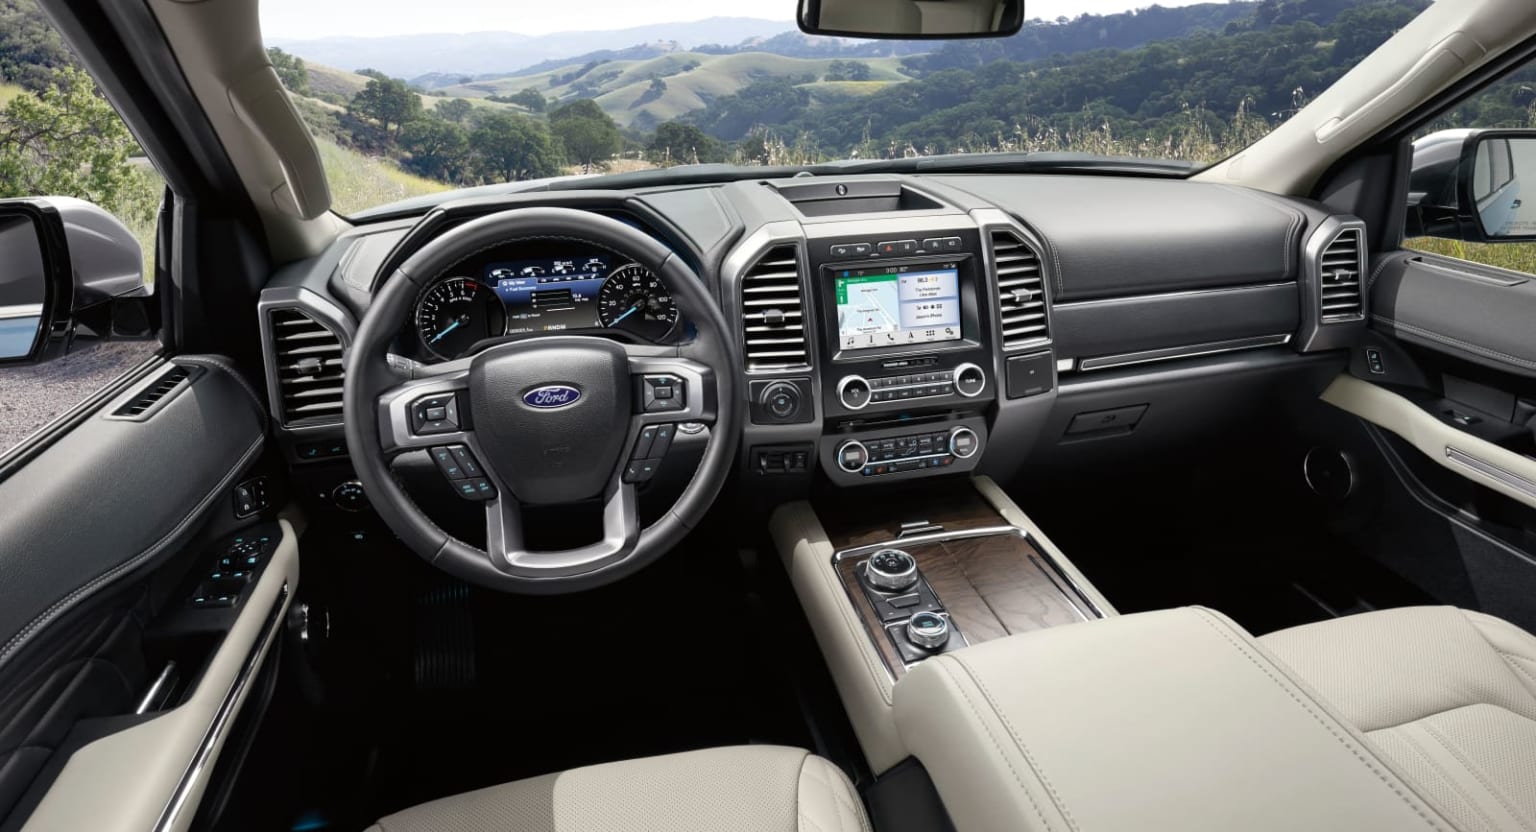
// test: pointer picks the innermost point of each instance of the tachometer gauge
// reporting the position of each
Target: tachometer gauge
(455, 314)
(634, 300)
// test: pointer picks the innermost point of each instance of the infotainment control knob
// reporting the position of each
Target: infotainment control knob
(852, 456)
(963, 442)
(928, 630)
(854, 392)
(891, 570)
(970, 380)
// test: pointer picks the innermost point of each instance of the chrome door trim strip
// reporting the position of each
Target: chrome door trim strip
(202, 762)
(1488, 469)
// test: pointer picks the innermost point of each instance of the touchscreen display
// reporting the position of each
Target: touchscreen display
(545, 295)
(893, 307)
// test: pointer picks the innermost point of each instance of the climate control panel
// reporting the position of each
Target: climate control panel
(901, 453)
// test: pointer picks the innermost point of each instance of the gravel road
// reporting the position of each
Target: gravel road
(32, 396)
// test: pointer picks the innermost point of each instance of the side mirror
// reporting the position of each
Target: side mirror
(1466, 185)
(912, 19)
(64, 264)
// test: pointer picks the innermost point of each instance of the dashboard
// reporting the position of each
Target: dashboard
(533, 287)
(896, 327)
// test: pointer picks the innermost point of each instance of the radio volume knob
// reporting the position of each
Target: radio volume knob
(854, 392)
(970, 380)
(852, 456)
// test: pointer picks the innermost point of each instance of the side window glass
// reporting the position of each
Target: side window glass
(60, 138)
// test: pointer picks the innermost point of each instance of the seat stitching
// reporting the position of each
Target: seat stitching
(1446, 776)
(1019, 741)
(839, 794)
(1514, 662)
(1343, 739)
(1473, 770)
(807, 772)
(944, 665)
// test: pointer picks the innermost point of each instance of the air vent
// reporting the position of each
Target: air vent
(308, 361)
(169, 383)
(1339, 271)
(1020, 290)
(773, 321)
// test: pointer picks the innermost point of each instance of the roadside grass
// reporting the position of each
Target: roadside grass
(8, 92)
(359, 181)
(1520, 257)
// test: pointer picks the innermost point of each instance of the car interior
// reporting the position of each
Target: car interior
(911, 495)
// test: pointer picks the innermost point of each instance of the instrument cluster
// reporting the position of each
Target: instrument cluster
(539, 286)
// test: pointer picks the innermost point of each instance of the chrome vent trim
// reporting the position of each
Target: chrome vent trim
(1020, 291)
(306, 360)
(773, 312)
(1340, 269)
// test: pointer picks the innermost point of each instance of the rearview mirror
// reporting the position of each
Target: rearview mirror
(1467, 185)
(912, 19)
(64, 264)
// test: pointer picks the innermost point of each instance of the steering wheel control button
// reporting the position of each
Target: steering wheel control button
(970, 380)
(852, 456)
(446, 463)
(928, 630)
(478, 489)
(891, 570)
(854, 392)
(963, 442)
(435, 414)
(466, 459)
(644, 443)
(640, 470)
(663, 394)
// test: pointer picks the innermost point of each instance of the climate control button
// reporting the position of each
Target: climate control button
(963, 442)
(852, 456)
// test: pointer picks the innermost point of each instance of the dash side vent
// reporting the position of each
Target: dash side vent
(308, 364)
(773, 314)
(161, 390)
(1339, 269)
(1020, 291)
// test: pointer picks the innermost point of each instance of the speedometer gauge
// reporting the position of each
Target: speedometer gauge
(456, 314)
(633, 299)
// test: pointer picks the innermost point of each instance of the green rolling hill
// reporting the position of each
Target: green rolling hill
(624, 88)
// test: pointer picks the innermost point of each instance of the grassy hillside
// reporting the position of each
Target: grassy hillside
(359, 181)
(9, 91)
(693, 79)
(328, 82)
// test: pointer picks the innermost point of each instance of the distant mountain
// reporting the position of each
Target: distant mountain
(482, 53)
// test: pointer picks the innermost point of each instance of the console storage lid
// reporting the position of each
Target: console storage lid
(1167, 720)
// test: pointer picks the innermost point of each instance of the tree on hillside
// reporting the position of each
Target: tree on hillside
(589, 135)
(510, 147)
(387, 101)
(438, 149)
(66, 141)
(31, 50)
(657, 89)
(530, 98)
(290, 70)
(455, 110)
(681, 144)
(848, 71)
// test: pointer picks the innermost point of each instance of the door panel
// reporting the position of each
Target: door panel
(96, 532)
(1468, 311)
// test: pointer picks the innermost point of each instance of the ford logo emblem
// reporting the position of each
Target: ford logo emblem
(551, 396)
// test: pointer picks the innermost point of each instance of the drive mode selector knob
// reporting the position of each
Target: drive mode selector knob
(781, 399)
(970, 380)
(852, 456)
(854, 392)
(928, 630)
(963, 442)
(891, 570)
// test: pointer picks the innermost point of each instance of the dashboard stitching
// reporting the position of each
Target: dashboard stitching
(1292, 238)
(1380, 267)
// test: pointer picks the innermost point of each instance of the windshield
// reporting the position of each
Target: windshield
(545, 90)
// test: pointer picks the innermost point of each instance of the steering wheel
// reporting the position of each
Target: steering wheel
(550, 419)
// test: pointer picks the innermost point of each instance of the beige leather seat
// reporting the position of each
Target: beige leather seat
(743, 789)
(1447, 696)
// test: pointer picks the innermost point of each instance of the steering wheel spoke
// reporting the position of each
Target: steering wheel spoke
(426, 412)
(671, 389)
(509, 553)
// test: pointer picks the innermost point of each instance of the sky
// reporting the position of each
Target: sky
(374, 18)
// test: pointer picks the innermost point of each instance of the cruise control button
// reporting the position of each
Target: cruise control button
(466, 459)
(477, 488)
(446, 463)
